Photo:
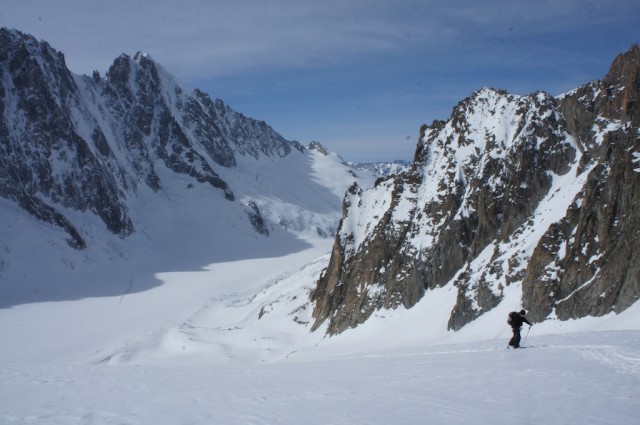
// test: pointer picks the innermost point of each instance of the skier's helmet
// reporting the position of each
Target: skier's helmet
(522, 312)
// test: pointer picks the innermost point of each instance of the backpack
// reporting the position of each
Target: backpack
(511, 318)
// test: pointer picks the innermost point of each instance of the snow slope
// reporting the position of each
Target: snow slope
(584, 379)
(197, 350)
(184, 227)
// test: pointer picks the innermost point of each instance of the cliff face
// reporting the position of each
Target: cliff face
(529, 197)
(594, 248)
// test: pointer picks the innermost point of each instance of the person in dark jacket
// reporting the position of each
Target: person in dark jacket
(516, 320)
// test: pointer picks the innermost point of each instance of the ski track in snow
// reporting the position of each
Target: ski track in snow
(619, 359)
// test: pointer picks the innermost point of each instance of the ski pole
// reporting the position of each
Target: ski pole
(526, 335)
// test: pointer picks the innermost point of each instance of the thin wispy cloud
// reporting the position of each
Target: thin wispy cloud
(204, 37)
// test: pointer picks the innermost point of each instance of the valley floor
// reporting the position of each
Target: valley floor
(228, 344)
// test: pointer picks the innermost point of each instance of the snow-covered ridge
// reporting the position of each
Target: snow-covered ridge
(484, 131)
(382, 169)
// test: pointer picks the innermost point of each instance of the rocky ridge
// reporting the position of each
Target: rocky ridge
(527, 198)
(88, 143)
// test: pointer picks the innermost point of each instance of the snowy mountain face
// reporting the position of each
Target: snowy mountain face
(514, 200)
(99, 160)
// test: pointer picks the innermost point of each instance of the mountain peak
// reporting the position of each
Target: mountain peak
(142, 56)
(317, 146)
(622, 83)
(625, 64)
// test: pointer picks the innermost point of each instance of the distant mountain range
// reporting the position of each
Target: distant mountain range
(513, 201)
(383, 168)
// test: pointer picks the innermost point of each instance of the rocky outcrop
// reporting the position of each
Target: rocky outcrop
(256, 219)
(532, 194)
(45, 161)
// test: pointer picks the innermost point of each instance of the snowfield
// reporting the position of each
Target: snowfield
(229, 344)
(580, 379)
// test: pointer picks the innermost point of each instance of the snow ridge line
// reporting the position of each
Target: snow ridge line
(616, 358)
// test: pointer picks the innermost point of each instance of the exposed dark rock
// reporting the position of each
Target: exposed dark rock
(42, 152)
(588, 264)
(317, 146)
(256, 219)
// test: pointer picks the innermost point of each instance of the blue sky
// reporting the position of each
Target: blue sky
(358, 76)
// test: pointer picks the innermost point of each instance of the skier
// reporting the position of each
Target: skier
(516, 320)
